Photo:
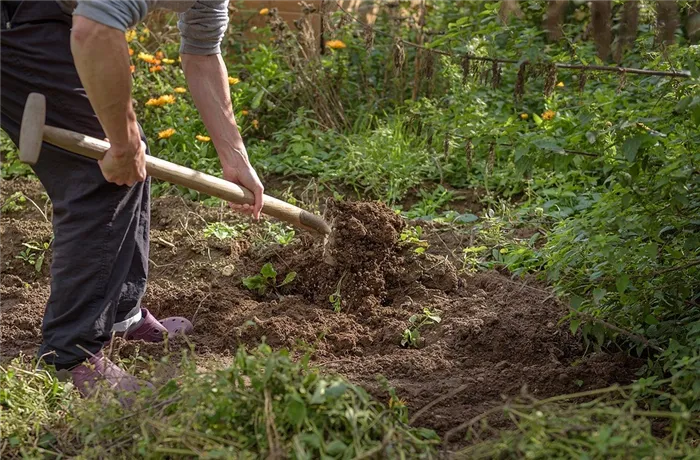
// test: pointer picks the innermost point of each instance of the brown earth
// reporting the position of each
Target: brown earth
(497, 337)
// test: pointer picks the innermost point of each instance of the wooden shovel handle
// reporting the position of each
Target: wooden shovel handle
(186, 177)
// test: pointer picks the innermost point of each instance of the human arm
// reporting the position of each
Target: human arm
(208, 83)
(102, 61)
(202, 28)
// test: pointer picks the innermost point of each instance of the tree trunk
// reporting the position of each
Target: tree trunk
(555, 18)
(602, 27)
(666, 21)
(628, 29)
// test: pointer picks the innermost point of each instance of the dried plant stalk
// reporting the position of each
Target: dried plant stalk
(469, 151)
(628, 29)
(622, 83)
(399, 56)
(601, 11)
(446, 146)
(520, 81)
(466, 67)
(555, 18)
(550, 80)
(368, 33)
(495, 74)
(491, 162)
(582, 78)
(666, 21)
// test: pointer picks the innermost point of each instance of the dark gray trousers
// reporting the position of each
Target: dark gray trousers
(100, 248)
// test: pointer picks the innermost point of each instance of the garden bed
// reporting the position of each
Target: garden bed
(350, 303)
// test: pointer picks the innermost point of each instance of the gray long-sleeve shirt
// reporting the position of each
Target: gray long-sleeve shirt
(202, 23)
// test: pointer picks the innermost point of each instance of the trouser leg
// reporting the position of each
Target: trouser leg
(100, 255)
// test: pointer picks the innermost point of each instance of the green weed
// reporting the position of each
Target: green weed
(263, 405)
(267, 279)
(224, 231)
(412, 236)
(33, 254)
(14, 203)
(411, 335)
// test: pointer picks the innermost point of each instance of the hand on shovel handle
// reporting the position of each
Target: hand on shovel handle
(34, 132)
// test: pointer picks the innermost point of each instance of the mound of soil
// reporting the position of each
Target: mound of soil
(497, 337)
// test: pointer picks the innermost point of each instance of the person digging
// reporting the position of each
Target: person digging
(74, 52)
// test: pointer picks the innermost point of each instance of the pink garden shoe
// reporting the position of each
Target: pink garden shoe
(152, 330)
(99, 368)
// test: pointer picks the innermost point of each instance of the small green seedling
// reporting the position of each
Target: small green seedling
(14, 203)
(335, 299)
(412, 235)
(267, 279)
(34, 253)
(224, 231)
(411, 335)
(285, 236)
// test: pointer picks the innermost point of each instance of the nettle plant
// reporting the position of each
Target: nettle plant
(224, 231)
(412, 236)
(267, 279)
(411, 335)
(34, 253)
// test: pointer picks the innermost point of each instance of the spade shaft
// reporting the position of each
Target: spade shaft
(34, 131)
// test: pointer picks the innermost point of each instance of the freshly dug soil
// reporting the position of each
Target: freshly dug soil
(497, 337)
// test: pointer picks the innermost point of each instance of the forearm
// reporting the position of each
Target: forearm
(208, 83)
(102, 59)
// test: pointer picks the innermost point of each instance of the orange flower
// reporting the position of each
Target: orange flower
(180, 90)
(161, 101)
(335, 44)
(149, 58)
(201, 138)
(524, 116)
(244, 112)
(130, 35)
(256, 124)
(233, 80)
(131, 52)
(560, 84)
(548, 115)
(155, 68)
(264, 11)
(159, 55)
(132, 68)
(166, 133)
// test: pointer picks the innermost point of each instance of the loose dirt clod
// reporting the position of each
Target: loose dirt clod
(497, 336)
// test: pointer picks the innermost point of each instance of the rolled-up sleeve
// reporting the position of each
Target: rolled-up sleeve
(119, 14)
(203, 26)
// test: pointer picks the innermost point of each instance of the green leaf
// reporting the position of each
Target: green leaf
(548, 144)
(598, 294)
(253, 282)
(39, 262)
(467, 218)
(520, 151)
(590, 136)
(336, 447)
(696, 114)
(631, 147)
(537, 119)
(576, 302)
(257, 99)
(319, 396)
(336, 390)
(296, 410)
(651, 320)
(268, 271)
(289, 278)
(621, 283)
(574, 325)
